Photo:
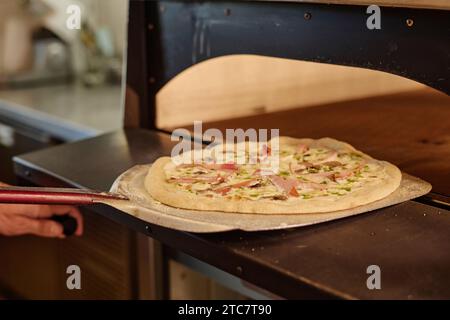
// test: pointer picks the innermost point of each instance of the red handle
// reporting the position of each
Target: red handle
(53, 196)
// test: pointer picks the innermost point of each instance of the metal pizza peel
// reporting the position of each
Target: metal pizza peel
(143, 206)
(128, 195)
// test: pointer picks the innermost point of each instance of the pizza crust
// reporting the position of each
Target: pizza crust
(169, 194)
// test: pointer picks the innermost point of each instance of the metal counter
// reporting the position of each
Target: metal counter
(65, 112)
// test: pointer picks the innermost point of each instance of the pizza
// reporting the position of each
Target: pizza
(311, 176)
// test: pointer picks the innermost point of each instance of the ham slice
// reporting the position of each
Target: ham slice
(266, 150)
(332, 156)
(344, 174)
(349, 172)
(247, 183)
(228, 166)
(311, 186)
(302, 148)
(256, 173)
(223, 190)
(184, 180)
(212, 180)
(211, 166)
(294, 167)
(318, 177)
(285, 185)
(332, 164)
(221, 166)
(288, 186)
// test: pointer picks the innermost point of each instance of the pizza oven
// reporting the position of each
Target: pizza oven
(410, 129)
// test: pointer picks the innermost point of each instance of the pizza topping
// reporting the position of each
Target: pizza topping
(305, 172)
(266, 150)
(245, 183)
(279, 197)
(223, 190)
(285, 185)
(302, 148)
(311, 186)
(213, 180)
(199, 170)
(201, 167)
(330, 157)
(344, 174)
(293, 192)
(347, 173)
(200, 187)
(295, 167)
(332, 164)
(222, 167)
(228, 166)
(317, 177)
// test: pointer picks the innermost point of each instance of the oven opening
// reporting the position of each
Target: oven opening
(387, 116)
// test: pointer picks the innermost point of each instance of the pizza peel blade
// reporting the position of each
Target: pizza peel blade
(144, 207)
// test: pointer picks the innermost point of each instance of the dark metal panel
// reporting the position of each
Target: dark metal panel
(191, 32)
(137, 64)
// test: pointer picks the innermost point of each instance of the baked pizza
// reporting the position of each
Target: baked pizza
(311, 176)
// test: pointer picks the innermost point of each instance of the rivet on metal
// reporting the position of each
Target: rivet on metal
(239, 269)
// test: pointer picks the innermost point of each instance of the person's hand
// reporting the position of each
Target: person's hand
(20, 219)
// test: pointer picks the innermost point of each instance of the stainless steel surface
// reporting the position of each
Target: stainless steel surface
(67, 112)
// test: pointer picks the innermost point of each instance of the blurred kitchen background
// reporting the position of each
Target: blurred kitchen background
(56, 84)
